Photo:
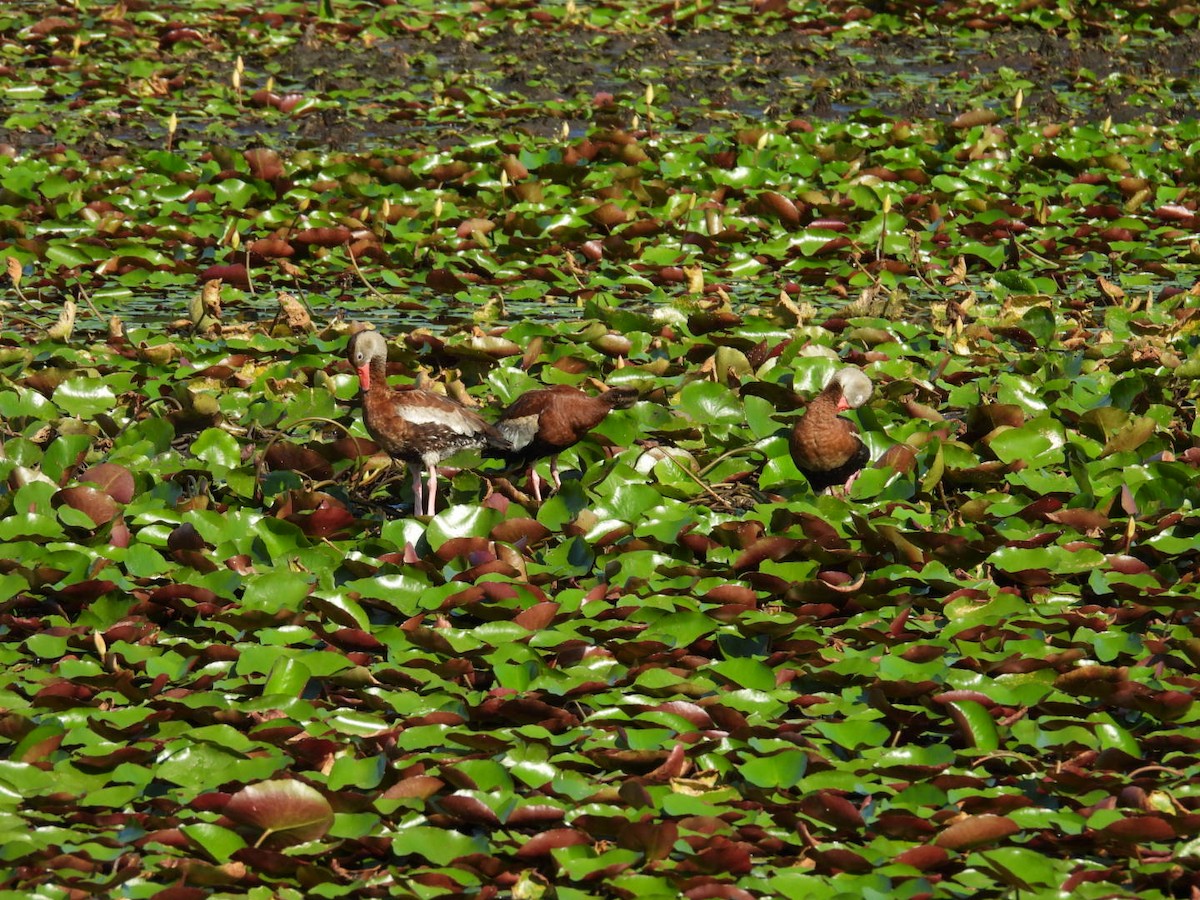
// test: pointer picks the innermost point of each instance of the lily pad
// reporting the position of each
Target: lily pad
(285, 811)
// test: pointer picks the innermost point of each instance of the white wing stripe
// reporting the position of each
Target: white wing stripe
(431, 415)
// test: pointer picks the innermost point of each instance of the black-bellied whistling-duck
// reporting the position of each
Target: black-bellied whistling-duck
(547, 421)
(825, 447)
(417, 426)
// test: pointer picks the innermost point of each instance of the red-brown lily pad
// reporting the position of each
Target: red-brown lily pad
(541, 845)
(284, 810)
(976, 831)
(94, 503)
(113, 479)
(293, 457)
(351, 448)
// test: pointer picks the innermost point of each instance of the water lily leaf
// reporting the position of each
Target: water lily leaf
(287, 810)
(709, 403)
(628, 502)
(352, 448)
(1104, 421)
(205, 767)
(1037, 443)
(113, 479)
(84, 396)
(340, 608)
(218, 448)
(47, 646)
(39, 743)
(779, 468)
(572, 557)
(97, 506)
(581, 863)
(154, 435)
(460, 521)
(288, 676)
(992, 254)
(294, 457)
(234, 193)
(479, 807)
(358, 724)
(540, 845)
(854, 733)
(217, 842)
(1114, 736)
(812, 240)
(1020, 868)
(520, 531)
(419, 786)
(937, 468)
(760, 416)
(779, 770)
(537, 617)
(12, 584)
(26, 404)
(680, 629)
(313, 402)
(1139, 829)
(1058, 559)
(272, 592)
(773, 548)
(21, 454)
(976, 724)
(362, 774)
(754, 704)
(881, 484)
(1131, 436)
(63, 455)
(69, 257)
(745, 672)
(1039, 322)
(438, 846)
(408, 591)
(976, 831)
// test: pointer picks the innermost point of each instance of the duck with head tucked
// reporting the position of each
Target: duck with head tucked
(825, 446)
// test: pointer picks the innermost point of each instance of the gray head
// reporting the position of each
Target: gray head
(855, 386)
(364, 347)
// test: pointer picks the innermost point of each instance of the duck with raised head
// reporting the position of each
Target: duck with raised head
(825, 447)
(417, 426)
(547, 421)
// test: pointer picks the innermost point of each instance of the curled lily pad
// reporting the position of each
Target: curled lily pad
(976, 831)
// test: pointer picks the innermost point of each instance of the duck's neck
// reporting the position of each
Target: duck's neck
(378, 370)
(830, 397)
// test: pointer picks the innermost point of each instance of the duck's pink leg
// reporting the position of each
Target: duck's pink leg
(536, 483)
(554, 472)
(417, 492)
(431, 500)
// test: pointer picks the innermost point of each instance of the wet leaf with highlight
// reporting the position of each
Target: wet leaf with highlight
(286, 810)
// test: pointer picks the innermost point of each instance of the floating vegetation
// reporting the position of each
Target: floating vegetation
(238, 662)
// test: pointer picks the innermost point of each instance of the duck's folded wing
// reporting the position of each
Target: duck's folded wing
(421, 409)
